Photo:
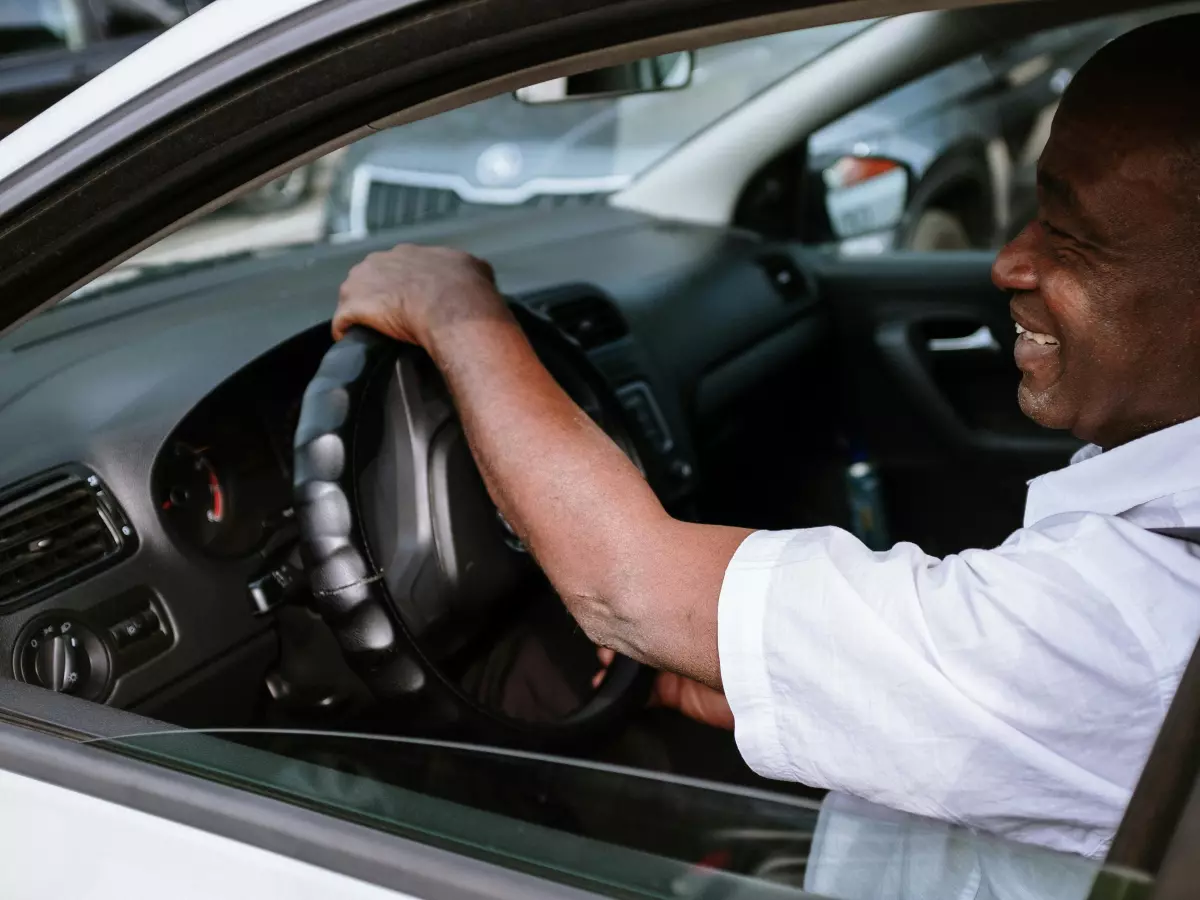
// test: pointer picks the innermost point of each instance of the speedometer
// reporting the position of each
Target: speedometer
(201, 503)
(196, 491)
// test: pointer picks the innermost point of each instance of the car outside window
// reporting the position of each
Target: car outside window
(948, 162)
(27, 26)
(499, 156)
(121, 18)
(944, 163)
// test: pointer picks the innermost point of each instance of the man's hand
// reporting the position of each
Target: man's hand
(407, 292)
(634, 578)
(706, 705)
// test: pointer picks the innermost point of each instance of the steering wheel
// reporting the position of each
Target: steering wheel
(408, 559)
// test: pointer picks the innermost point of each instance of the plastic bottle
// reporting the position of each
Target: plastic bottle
(864, 494)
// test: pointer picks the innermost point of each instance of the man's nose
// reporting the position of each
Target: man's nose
(1013, 269)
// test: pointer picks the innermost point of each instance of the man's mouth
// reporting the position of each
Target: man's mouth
(1037, 354)
(1037, 337)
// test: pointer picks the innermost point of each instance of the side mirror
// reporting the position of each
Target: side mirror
(864, 195)
(670, 72)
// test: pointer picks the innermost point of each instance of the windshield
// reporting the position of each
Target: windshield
(497, 155)
(667, 837)
(611, 138)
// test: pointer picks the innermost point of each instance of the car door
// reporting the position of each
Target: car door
(926, 345)
(39, 59)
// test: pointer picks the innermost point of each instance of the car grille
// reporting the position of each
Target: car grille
(396, 205)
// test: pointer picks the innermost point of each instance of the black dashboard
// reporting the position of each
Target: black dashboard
(168, 407)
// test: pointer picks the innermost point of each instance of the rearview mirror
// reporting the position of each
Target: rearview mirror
(669, 72)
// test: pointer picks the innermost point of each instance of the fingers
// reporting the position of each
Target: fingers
(606, 658)
(403, 292)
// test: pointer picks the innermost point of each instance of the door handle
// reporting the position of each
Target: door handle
(979, 339)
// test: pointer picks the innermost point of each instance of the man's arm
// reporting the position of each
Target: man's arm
(636, 580)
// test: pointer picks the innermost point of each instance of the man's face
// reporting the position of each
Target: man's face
(1098, 287)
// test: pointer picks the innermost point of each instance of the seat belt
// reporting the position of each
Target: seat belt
(1171, 769)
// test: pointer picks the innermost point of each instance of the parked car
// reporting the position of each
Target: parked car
(949, 158)
(193, 704)
(48, 48)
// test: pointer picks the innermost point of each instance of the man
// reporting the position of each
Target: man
(1016, 690)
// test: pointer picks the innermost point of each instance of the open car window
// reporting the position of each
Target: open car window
(618, 831)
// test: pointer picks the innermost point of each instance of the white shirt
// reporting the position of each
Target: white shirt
(1015, 690)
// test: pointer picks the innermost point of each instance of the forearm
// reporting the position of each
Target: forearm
(635, 579)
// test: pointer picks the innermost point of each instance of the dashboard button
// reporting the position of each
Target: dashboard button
(59, 652)
(126, 632)
(58, 662)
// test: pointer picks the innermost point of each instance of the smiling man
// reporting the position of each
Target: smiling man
(1017, 689)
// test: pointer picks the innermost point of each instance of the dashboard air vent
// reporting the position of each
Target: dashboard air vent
(591, 320)
(54, 529)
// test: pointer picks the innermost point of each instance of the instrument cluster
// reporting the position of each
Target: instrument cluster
(223, 481)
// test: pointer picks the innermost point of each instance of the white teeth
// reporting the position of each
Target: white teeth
(1037, 337)
(1040, 339)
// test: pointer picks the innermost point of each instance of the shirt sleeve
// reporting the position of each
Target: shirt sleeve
(995, 689)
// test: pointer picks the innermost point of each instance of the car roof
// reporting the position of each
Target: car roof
(202, 35)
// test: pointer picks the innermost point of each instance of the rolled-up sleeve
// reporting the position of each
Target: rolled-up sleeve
(997, 689)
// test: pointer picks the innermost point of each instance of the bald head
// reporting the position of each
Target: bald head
(1139, 92)
(1109, 274)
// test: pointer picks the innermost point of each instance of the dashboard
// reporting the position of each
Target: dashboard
(169, 407)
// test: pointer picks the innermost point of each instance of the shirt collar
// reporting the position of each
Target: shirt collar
(1115, 481)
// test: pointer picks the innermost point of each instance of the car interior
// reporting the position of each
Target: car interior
(213, 517)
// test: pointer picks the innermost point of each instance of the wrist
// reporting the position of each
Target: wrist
(463, 312)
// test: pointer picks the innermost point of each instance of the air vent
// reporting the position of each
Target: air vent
(54, 530)
(593, 321)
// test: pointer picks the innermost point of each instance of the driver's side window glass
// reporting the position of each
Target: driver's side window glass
(666, 837)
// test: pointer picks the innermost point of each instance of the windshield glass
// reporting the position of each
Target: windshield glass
(495, 156)
(667, 836)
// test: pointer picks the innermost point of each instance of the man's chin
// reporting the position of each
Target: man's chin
(1042, 405)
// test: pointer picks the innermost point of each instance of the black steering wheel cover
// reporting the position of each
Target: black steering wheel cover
(350, 592)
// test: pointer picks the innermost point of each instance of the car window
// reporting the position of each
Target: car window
(667, 837)
(30, 25)
(130, 17)
(495, 157)
(948, 162)
(944, 163)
